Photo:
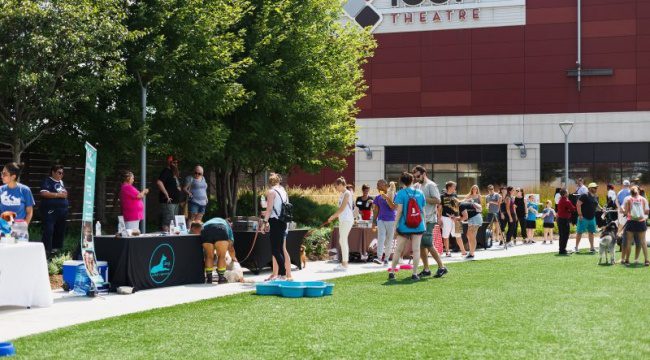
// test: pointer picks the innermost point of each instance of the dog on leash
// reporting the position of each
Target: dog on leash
(607, 245)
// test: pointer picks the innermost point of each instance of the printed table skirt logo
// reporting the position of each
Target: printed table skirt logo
(161, 264)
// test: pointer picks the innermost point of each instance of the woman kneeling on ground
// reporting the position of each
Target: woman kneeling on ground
(406, 233)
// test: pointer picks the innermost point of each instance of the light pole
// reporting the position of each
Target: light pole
(566, 127)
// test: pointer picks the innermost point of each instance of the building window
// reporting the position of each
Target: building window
(598, 162)
(466, 165)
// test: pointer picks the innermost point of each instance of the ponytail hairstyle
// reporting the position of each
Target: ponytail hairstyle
(341, 181)
(274, 179)
(15, 169)
(634, 191)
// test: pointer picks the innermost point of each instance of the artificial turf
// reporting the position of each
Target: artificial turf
(527, 307)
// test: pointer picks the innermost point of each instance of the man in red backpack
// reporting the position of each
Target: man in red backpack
(432, 197)
(410, 223)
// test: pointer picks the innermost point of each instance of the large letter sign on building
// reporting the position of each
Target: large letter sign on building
(394, 16)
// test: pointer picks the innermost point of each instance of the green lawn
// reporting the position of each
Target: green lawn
(542, 306)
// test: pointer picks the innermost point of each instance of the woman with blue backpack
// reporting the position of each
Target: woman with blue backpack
(410, 223)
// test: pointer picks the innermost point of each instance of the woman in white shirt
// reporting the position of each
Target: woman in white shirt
(345, 215)
(276, 196)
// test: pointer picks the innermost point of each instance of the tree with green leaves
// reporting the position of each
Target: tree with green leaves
(182, 53)
(304, 80)
(55, 57)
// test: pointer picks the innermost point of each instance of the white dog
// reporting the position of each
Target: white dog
(608, 243)
(234, 272)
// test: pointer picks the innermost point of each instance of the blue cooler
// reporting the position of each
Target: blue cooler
(70, 271)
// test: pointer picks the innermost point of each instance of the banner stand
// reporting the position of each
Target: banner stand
(87, 243)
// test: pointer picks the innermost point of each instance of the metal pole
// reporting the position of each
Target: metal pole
(566, 161)
(143, 159)
(579, 62)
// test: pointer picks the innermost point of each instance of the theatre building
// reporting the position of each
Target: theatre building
(476, 90)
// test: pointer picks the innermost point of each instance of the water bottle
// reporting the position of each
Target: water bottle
(263, 201)
(98, 229)
(171, 227)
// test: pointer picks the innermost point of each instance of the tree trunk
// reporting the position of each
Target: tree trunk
(254, 187)
(17, 150)
(227, 181)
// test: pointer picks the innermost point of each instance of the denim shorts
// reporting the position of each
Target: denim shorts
(586, 226)
(476, 220)
(195, 208)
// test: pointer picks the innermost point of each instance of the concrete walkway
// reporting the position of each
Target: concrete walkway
(17, 322)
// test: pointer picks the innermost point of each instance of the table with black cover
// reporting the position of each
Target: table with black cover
(147, 262)
(260, 257)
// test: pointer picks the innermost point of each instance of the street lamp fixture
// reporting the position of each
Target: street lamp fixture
(366, 149)
(566, 127)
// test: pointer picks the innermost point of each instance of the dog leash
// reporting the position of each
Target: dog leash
(257, 233)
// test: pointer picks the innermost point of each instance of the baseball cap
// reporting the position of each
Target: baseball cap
(592, 185)
(626, 182)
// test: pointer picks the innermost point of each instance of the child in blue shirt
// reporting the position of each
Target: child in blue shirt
(531, 219)
(549, 221)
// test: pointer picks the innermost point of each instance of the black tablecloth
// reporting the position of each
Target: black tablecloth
(260, 257)
(151, 261)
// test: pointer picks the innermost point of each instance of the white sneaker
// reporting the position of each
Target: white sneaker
(341, 268)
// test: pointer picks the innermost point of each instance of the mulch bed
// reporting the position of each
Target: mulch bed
(56, 281)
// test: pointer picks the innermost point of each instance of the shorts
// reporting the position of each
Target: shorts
(167, 213)
(427, 237)
(213, 233)
(549, 225)
(638, 236)
(195, 208)
(586, 226)
(636, 226)
(531, 224)
(476, 220)
(448, 227)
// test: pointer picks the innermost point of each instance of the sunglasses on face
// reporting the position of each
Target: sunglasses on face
(198, 173)
(60, 172)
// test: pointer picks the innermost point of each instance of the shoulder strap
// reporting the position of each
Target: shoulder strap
(281, 199)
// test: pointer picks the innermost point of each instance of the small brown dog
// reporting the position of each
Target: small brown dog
(8, 216)
(303, 256)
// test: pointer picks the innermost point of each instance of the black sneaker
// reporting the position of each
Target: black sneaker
(208, 278)
(222, 279)
(377, 261)
(414, 277)
(441, 272)
(469, 257)
(391, 276)
(424, 273)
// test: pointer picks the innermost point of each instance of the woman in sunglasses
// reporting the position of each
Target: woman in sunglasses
(196, 189)
(54, 210)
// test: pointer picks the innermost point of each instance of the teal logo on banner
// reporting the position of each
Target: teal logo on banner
(161, 263)
(87, 243)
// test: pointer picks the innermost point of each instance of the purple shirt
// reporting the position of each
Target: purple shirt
(385, 213)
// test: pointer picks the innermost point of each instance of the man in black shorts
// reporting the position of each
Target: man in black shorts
(216, 234)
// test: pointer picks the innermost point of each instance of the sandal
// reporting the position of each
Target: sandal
(270, 278)
(647, 263)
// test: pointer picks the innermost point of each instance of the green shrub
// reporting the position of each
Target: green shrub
(317, 243)
(306, 211)
(55, 266)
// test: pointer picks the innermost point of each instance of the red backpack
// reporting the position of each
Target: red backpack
(413, 213)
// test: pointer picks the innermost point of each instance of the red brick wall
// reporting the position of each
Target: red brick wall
(300, 178)
(519, 69)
